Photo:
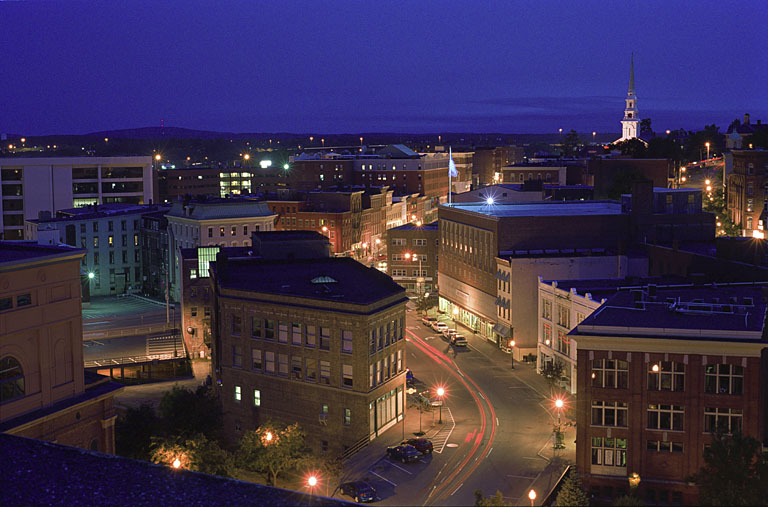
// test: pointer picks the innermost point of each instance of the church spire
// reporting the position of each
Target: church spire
(631, 90)
(631, 121)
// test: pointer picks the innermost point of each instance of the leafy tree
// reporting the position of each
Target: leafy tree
(571, 493)
(570, 142)
(196, 453)
(758, 140)
(622, 182)
(424, 304)
(664, 147)
(645, 126)
(496, 500)
(734, 124)
(634, 148)
(186, 413)
(553, 371)
(735, 471)
(134, 430)
(272, 449)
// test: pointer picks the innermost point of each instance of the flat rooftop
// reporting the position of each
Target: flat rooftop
(540, 209)
(716, 312)
(18, 251)
(413, 227)
(332, 279)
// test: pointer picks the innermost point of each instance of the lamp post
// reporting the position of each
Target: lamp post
(532, 496)
(512, 352)
(559, 407)
(634, 482)
(707, 145)
(440, 393)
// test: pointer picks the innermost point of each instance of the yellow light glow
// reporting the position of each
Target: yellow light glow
(532, 495)
(246, 156)
(176, 463)
(268, 436)
(440, 391)
(312, 481)
(455, 311)
(707, 182)
(758, 234)
(407, 256)
(547, 341)
(325, 229)
(511, 343)
(709, 188)
(23, 139)
(559, 403)
(683, 179)
(418, 223)
(378, 241)
(158, 157)
(655, 368)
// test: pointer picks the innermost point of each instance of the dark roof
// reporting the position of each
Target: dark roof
(605, 287)
(43, 473)
(733, 312)
(15, 251)
(355, 283)
(288, 235)
(413, 227)
(94, 213)
(231, 251)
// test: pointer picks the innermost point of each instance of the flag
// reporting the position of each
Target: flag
(452, 172)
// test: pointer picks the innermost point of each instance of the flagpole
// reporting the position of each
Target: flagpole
(450, 158)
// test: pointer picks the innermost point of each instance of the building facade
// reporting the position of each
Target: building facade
(34, 185)
(313, 341)
(747, 191)
(662, 369)
(412, 256)
(44, 391)
(214, 222)
(111, 236)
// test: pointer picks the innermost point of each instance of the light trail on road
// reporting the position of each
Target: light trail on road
(459, 474)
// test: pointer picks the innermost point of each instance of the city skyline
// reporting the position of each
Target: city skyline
(238, 67)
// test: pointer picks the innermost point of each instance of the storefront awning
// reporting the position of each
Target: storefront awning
(501, 330)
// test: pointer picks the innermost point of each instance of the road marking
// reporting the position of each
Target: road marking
(497, 422)
(489, 452)
(400, 468)
(438, 440)
(481, 394)
(382, 478)
(521, 476)
(470, 436)
(455, 490)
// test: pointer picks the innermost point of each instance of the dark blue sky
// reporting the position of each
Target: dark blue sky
(394, 66)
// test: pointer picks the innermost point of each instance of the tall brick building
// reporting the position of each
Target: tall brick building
(313, 341)
(659, 371)
(747, 191)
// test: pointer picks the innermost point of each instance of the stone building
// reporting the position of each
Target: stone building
(747, 191)
(313, 341)
(410, 248)
(44, 391)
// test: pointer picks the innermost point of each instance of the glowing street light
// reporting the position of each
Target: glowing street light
(559, 406)
(489, 201)
(176, 463)
(158, 157)
(312, 481)
(91, 275)
(268, 437)
(512, 352)
(247, 156)
(707, 182)
(286, 166)
(361, 141)
(655, 368)
(707, 145)
(532, 496)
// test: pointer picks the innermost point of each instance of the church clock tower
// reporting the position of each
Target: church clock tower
(631, 122)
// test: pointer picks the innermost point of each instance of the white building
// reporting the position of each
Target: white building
(630, 124)
(32, 185)
(218, 222)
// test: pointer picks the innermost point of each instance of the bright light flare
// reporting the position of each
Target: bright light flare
(440, 391)
(489, 201)
(176, 463)
(312, 481)
(532, 495)
(655, 368)
(91, 275)
(559, 403)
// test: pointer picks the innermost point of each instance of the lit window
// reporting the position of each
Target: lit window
(238, 394)
(256, 398)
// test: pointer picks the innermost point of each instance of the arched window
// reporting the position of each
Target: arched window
(11, 379)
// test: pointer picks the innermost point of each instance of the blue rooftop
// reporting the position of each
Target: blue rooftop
(540, 209)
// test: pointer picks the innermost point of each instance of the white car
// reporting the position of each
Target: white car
(458, 341)
(448, 333)
(439, 326)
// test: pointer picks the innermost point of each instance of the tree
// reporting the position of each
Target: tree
(187, 413)
(423, 304)
(496, 500)
(570, 142)
(553, 371)
(272, 449)
(735, 471)
(645, 126)
(634, 148)
(571, 492)
(196, 453)
(134, 430)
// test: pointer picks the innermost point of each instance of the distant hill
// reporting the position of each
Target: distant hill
(167, 132)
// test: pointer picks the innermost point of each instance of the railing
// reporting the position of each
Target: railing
(120, 361)
(350, 451)
(127, 331)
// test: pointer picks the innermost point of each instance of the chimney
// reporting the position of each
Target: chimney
(746, 118)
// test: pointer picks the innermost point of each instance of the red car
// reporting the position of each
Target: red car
(423, 445)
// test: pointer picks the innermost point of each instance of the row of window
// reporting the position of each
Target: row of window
(6, 303)
(110, 241)
(404, 272)
(256, 400)
(124, 256)
(668, 376)
(664, 416)
(110, 226)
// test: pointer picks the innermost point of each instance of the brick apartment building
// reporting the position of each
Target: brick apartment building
(747, 191)
(44, 391)
(659, 371)
(412, 247)
(313, 341)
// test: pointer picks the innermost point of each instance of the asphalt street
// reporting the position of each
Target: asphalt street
(495, 435)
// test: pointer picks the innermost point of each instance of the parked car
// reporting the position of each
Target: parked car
(449, 333)
(423, 445)
(427, 321)
(458, 341)
(404, 453)
(361, 491)
(439, 326)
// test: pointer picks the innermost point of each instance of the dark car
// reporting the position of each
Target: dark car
(423, 445)
(404, 453)
(361, 491)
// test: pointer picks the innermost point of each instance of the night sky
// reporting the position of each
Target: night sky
(378, 66)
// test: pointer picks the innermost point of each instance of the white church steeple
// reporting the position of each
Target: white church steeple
(631, 122)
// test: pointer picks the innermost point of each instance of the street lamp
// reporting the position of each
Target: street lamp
(440, 393)
(707, 145)
(634, 482)
(512, 352)
(176, 463)
(91, 275)
(559, 406)
(532, 496)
